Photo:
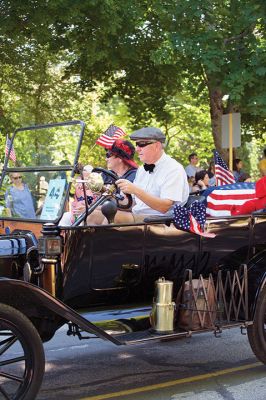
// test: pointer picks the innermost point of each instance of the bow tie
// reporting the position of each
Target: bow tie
(149, 167)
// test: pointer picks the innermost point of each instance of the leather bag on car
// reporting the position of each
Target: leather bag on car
(196, 304)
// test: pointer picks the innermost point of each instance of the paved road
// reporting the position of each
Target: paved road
(200, 368)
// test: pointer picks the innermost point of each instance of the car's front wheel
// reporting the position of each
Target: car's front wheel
(22, 359)
(257, 331)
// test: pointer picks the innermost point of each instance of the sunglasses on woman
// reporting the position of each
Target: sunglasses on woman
(16, 177)
(109, 154)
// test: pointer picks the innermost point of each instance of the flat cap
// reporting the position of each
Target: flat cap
(149, 133)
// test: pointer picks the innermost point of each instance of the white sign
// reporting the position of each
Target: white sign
(236, 130)
(53, 199)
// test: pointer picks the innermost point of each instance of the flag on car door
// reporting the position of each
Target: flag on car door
(191, 219)
(109, 136)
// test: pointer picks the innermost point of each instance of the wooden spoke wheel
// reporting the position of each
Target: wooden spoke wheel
(22, 359)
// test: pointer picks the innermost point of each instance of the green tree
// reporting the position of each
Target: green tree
(148, 52)
(216, 47)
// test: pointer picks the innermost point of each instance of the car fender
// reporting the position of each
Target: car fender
(45, 311)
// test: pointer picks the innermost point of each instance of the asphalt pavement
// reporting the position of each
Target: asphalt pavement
(200, 368)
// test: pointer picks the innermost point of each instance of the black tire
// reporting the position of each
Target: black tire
(257, 331)
(22, 359)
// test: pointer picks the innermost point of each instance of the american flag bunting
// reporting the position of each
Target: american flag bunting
(220, 200)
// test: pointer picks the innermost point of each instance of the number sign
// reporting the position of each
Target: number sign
(53, 199)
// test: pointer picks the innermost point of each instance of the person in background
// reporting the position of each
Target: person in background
(211, 174)
(192, 168)
(201, 181)
(18, 198)
(244, 177)
(237, 168)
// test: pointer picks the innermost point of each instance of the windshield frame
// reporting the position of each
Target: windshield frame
(55, 168)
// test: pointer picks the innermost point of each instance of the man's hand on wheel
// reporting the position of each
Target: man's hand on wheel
(125, 186)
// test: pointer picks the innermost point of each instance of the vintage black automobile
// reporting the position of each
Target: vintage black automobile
(152, 280)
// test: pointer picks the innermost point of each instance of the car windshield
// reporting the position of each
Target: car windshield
(45, 146)
(38, 170)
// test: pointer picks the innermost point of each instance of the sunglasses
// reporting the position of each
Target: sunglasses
(143, 144)
(109, 154)
(16, 177)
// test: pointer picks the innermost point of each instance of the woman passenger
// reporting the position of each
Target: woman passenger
(201, 181)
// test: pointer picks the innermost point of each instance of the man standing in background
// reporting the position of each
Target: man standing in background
(192, 168)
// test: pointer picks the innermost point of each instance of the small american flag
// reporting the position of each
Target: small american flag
(220, 200)
(191, 219)
(223, 174)
(12, 154)
(109, 136)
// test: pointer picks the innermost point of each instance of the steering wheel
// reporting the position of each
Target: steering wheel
(107, 172)
(114, 178)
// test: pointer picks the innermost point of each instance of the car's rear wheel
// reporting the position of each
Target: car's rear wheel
(22, 359)
(257, 331)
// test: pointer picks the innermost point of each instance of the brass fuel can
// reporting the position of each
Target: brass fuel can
(163, 308)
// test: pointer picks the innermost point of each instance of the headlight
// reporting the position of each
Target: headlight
(50, 246)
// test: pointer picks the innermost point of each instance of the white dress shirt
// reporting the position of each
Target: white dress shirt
(167, 181)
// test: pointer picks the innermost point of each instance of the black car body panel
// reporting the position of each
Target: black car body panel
(115, 264)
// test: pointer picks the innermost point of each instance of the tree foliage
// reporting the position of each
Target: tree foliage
(151, 55)
(150, 46)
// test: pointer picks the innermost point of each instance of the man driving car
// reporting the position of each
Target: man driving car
(160, 182)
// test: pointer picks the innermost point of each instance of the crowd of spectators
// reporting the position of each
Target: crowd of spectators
(199, 179)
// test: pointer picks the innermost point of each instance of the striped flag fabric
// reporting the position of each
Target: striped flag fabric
(223, 174)
(112, 133)
(12, 154)
(191, 219)
(220, 200)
